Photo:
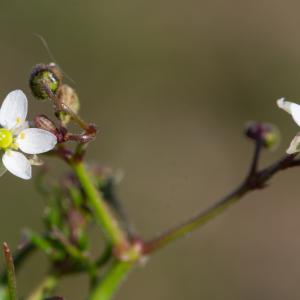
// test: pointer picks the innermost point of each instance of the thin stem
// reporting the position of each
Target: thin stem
(194, 223)
(19, 257)
(75, 117)
(257, 180)
(101, 210)
(112, 280)
(43, 243)
(60, 106)
(11, 277)
(44, 289)
(255, 159)
(69, 248)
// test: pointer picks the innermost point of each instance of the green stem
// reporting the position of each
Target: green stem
(194, 223)
(19, 257)
(254, 180)
(45, 288)
(101, 210)
(109, 285)
(11, 278)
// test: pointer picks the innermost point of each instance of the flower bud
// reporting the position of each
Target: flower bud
(267, 133)
(44, 77)
(43, 122)
(68, 96)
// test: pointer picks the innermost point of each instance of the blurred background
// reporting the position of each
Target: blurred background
(170, 85)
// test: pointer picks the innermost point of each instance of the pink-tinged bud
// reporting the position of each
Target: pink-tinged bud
(43, 122)
(265, 132)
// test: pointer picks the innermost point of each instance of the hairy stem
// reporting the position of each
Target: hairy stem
(19, 257)
(11, 277)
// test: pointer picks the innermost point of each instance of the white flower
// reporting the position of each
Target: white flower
(15, 134)
(294, 110)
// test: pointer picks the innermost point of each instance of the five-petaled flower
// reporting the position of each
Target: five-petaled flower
(15, 135)
(294, 110)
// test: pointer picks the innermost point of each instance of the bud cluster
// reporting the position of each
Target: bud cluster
(46, 82)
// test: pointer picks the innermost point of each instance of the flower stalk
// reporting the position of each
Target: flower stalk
(254, 180)
(102, 212)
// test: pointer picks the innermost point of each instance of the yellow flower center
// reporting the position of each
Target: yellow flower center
(6, 138)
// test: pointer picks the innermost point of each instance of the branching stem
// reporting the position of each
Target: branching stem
(254, 180)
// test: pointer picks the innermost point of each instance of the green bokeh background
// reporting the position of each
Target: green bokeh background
(170, 85)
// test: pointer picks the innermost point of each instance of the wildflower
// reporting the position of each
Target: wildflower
(15, 135)
(294, 110)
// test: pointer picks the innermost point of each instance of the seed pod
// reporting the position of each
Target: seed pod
(68, 96)
(44, 79)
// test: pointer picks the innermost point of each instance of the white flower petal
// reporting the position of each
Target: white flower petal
(285, 105)
(36, 140)
(17, 164)
(294, 146)
(13, 111)
(291, 108)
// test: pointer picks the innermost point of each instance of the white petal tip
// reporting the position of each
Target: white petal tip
(14, 109)
(294, 146)
(280, 102)
(290, 151)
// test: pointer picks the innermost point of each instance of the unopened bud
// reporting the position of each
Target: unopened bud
(43, 122)
(265, 132)
(68, 96)
(44, 79)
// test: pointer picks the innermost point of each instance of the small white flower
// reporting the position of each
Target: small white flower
(294, 110)
(15, 134)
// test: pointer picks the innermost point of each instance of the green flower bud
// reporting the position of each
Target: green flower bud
(44, 77)
(68, 96)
